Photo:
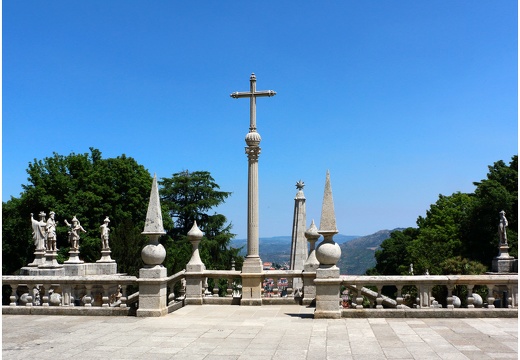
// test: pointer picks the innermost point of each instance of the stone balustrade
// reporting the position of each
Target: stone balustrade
(360, 296)
(412, 293)
(68, 295)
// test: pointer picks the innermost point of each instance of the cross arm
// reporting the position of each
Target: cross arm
(243, 94)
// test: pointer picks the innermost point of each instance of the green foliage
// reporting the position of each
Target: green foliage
(188, 197)
(88, 187)
(458, 235)
(392, 257)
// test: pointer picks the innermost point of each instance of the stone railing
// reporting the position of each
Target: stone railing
(68, 295)
(363, 295)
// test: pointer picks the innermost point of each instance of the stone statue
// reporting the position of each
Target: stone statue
(74, 230)
(104, 234)
(502, 228)
(50, 227)
(39, 232)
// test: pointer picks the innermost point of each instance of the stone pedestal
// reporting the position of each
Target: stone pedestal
(251, 289)
(309, 289)
(105, 256)
(50, 261)
(39, 258)
(152, 292)
(194, 286)
(74, 257)
(503, 263)
(327, 293)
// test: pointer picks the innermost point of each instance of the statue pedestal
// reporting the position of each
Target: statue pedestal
(50, 261)
(74, 257)
(503, 263)
(105, 256)
(39, 258)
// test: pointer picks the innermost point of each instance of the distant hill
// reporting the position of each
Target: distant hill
(358, 255)
(277, 249)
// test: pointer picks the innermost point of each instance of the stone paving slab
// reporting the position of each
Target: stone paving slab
(228, 332)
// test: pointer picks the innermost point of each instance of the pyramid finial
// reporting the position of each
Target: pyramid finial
(154, 224)
(328, 216)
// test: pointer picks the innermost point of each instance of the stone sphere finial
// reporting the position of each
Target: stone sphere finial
(253, 138)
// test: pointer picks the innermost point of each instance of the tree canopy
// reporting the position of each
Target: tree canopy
(459, 232)
(92, 188)
(189, 196)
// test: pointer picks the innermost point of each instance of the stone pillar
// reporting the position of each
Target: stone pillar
(152, 278)
(252, 267)
(328, 253)
(299, 251)
(310, 267)
(194, 269)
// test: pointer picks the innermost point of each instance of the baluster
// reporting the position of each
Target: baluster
(490, 297)
(215, 287)
(379, 298)
(510, 297)
(290, 289)
(449, 298)
(29, 295)
(399, 298)
(359, 297)
(205, 290)
(470, 297)
(275, 287)
(88, 296)
(229, 290)
(182, 291)
(171, 296)
(14, 296)
(124, 298)
(105, 298)
(45, 297)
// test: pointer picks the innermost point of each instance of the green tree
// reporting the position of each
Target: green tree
(393, 258)
(499, 191)
(441, 232)
(458, 235)
(190, 197)
(90, 188)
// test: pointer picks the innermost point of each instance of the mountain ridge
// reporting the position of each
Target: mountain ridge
(357, 252)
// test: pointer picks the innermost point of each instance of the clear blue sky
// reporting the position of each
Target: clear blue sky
(400, 100)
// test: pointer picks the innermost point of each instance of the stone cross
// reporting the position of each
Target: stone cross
(252, 262)
(252, 94)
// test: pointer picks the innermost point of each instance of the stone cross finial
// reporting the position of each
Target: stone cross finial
(300, 185)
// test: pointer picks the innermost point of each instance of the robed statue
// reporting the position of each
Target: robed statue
(502, 233)
(39, 233)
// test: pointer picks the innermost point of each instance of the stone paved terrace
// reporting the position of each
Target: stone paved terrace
(258, 332)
